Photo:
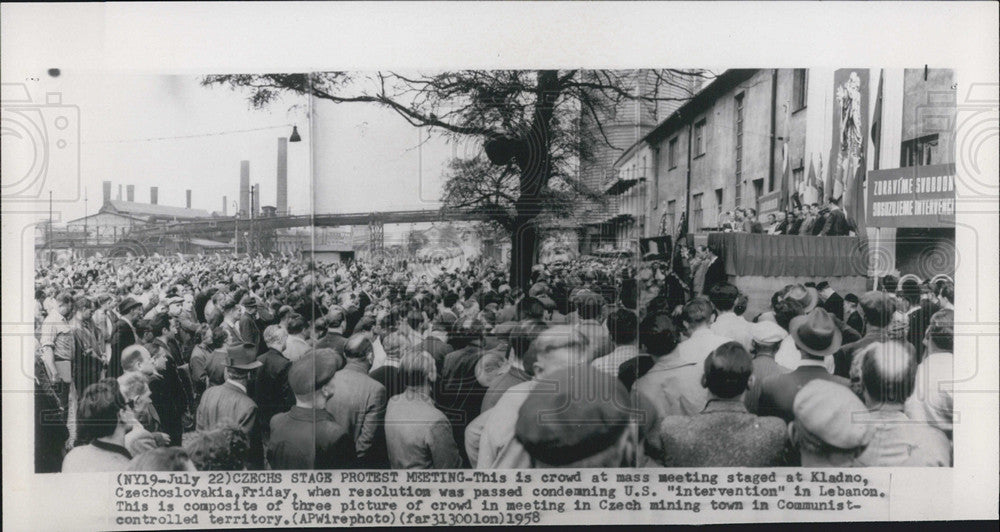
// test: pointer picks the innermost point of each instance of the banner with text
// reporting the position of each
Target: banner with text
(916, 196)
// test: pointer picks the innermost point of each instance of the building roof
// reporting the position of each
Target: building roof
(149, 210)
(107, 213)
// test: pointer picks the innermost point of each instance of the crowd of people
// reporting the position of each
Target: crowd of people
(215, 363)
(807, 219)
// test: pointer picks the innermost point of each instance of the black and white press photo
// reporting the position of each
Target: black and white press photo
(399, 292)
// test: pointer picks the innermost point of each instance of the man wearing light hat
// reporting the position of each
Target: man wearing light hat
(766, 337)
(816, 336)
(230, 401)
(824, 429)
(307, 437)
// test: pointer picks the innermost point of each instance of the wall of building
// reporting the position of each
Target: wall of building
(716, 168)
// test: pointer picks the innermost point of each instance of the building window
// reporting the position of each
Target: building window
(697, 215)
(699, 138)
(718, 206)
(672, 154)
(758, 190)
(920, 151)
(800, 84)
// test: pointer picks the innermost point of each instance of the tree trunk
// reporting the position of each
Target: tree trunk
(523, 242)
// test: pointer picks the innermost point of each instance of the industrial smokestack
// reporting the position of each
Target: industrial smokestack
(119, 192)
(244, 188)
(107, 191)
(225, 206)
(188, 194)
(282, 196)
(130, 192)
(255, 200)
(154, 195)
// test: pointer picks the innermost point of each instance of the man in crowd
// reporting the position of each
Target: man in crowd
(853, 312)
(58, 346)
(307, 436)
(877, 309)
(835, 223)
(825, 431)
(273, 394)
(589, 307)
(357, 402)
(888, 373)
(586, 425)
(698, 316)
(622, 327)
(249, 327)
(298, 338)
(724, 434)
(933, 393)
(832, 302)
(727, 324)
(460, 395)
(555, 348)
(816, 336)
(418, 435)
(766, 337)
(520, 339)
(335, 324)
(231, 402)
(103, 418)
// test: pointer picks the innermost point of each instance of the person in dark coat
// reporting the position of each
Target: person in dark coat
(230, 403)
(725, 434)
(123, 335)
(87, 360)
(167, 391)
(460, 395)
(816, 336)
(358, 403)
(307, 437)
(832, 302)
(50, 433)
(835, 222)
(249, 327)
(851, 309)
(336, 322)
(273, 393)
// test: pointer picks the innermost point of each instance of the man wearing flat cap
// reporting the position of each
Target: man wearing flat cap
(824, 429)
(307, 437)
(577, 417)
(816, 336)
(766, 337)
(230, 401)
(249, 328)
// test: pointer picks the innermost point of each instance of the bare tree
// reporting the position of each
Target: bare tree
(536, 128)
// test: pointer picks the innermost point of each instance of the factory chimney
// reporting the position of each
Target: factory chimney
(154, 195)
(244, 188)
(282, 196)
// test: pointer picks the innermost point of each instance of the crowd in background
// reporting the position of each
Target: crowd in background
(215, 363)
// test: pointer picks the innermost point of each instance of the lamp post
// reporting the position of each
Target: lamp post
(49, 239)
(236, 229)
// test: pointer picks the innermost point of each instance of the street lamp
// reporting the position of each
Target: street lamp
(295, 135)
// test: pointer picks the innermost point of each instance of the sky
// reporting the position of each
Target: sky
(366, 158)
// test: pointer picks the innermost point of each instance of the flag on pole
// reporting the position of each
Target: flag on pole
(876, 133)
(787, 185)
